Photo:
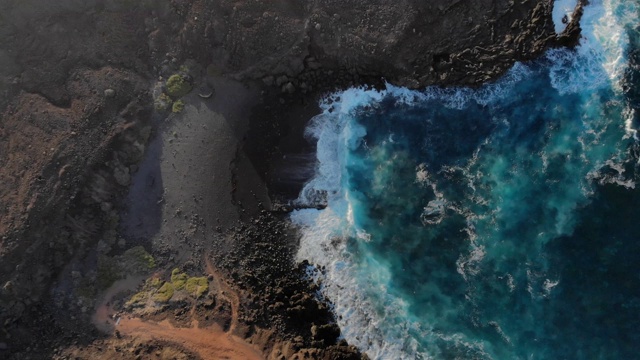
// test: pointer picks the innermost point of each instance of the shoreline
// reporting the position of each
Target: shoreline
(210, 177)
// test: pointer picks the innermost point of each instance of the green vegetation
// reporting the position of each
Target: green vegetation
(163, 102)
(197, 286)
(165, 293)
(155, 283)
(177, 86)
(178, 106)
(149, 287)
(178, 279)
(139, 299)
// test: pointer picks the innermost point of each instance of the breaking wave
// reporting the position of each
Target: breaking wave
(451, 213)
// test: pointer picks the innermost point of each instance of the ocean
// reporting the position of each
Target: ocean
(491, 223)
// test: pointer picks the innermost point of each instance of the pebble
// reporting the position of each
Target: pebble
(289, 88)
(109, 93)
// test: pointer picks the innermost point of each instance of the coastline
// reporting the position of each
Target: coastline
(206, 184)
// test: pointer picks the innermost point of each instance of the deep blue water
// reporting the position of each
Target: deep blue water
(495, 223)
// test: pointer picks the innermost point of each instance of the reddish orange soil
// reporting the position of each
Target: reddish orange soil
(209, 343)
(226, 292)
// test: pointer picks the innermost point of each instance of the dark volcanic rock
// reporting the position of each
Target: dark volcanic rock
(412, 43)
(327, 333)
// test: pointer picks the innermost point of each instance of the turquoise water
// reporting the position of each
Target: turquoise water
(495, 223)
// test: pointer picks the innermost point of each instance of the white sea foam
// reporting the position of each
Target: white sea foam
(502, 88)
(324, 233)
(459, 98)
(629, 114)
(469, 265)
(352, 292)
(549, 285)
(599, 60)
(619, 178)
(356, 293)
(563, 10)
(422, 175)
(334, 133)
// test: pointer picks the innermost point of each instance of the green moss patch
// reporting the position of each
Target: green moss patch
(178, 279)
(197, 286)
(155, 283)
(138, 300)
(177, 86)
(165, 293)
(163, 102)
(178, 106)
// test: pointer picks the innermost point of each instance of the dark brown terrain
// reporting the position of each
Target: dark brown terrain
(101, 191)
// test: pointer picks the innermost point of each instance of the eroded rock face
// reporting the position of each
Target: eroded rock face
(75, 113)
(59, 173)
(410, 43)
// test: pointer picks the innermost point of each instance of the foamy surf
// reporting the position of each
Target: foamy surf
(588, 128)
(563, 13)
